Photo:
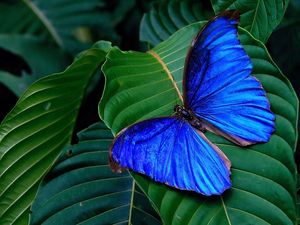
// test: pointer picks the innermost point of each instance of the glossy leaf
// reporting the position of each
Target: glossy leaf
(259, 17)
(168, 16)
(34, 132)
(82, 189)
(141, 85)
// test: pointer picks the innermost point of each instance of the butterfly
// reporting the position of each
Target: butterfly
(219, 95)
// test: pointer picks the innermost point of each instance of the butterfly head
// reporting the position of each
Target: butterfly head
(182, 112)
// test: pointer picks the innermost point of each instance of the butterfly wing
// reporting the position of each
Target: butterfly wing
(218, 87)
(170, 151)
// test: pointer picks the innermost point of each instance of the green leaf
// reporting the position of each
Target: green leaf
(168, 16)
(14, 83)
(34, 132)
(52, 20)
(42, 57)
(139, 86)
(259, 17)
(82, 189)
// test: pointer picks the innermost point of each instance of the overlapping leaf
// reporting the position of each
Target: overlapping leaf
(259, 17)
(168, 16)
(82, 189)
(140, 86)
(34, 132)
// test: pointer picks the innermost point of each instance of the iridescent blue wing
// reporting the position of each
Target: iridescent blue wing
(218, 86)
(170, 151)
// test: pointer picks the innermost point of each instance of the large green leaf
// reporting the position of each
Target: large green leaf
(34, 132)
(51, 20)
(82, 189)
(168, 16)
(140, 86)
(259, 17)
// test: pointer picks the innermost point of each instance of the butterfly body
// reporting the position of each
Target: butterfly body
(190, 117)
(219, 95)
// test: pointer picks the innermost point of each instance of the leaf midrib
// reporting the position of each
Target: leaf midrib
(45, 21)
(255, 15)
(225, 210)
(131, 202)
(166, 69)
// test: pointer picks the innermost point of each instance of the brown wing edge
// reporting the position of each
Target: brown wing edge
(232, 138)
(115, 167)
(232, 14)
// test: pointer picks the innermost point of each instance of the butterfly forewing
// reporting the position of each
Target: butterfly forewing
(219, 88)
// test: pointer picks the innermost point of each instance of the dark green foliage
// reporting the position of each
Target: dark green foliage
(41, 58)
(166, 17)
(284, 44)
(54, 21)
(46, 34)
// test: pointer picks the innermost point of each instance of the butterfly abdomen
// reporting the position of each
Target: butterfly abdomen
(189, 116)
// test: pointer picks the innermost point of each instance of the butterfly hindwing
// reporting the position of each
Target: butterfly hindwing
(218, 86)
(170, 151)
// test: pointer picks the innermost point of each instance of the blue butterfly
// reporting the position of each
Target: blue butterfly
(219, 95)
